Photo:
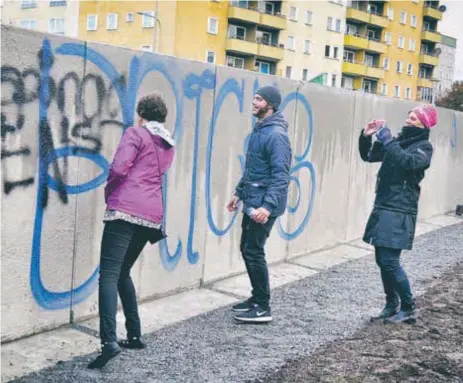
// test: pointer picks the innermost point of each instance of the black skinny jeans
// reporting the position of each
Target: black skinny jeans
(121, 246)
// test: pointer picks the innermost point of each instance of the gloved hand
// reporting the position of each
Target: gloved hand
(384, 135)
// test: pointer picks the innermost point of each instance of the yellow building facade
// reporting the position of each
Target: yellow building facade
(389, 47)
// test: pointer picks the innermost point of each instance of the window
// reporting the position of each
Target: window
(331, 53)
(28, 23)
(304, 74)
(410, 69)
(308, 17)
(235, 62)
(335, 52)
(373, 9)
(426, 26)
(351, 29)
(327, 51)
(58, 3)
(401, 42)
(388, 38)
(386, 63)
(414, 21)
(92, 22)
(290, 44)
(263, 38)
(369, 60)
(269, 8)
(263, 67)
(347, 83)
(396, 91)
(384, 89)
(148, 19)
(210, 57)
(333, 24)
(28, 4)
(412, 45)
(399, 66)
(146, 48)
(293, 13)
(333, 80)
(307, 47)
(403, 17)
(237, 32)
(56, 25)
(372, 35)
(111, 21)
(408, 93)
(367, 86)
(129, 17)
(349, 56)
(213, 25)
(289, 69)
(390, 13)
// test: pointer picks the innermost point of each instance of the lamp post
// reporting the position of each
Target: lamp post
(156, 20)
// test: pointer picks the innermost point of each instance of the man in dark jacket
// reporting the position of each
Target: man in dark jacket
(263, 190)
(391, 226)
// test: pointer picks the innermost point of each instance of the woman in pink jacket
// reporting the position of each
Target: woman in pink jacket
(134, 216)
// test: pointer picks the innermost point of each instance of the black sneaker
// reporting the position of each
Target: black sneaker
(255, 315)
(243, 306)
(108, 351)
(405, 315)
(132, 343)
(389, 310)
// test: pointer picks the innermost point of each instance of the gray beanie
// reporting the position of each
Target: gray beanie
(271, 95)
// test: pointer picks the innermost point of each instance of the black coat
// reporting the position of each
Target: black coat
(404, 161)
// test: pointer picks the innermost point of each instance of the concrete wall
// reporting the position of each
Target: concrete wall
(65, 104)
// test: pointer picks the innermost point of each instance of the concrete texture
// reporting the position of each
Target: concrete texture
(51, 246)
(309, 313)
(280, 275)
(444, 220)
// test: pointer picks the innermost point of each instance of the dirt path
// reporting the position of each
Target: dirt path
(430, 351)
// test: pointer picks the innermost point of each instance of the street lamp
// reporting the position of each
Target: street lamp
(156, 20)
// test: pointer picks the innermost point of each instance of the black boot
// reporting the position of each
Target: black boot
(391, 309)
(407, 314)
(132, 343)
(108, 351)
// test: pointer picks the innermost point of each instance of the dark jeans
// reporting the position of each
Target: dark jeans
(253, 238)
(395, 281)
(121, 245)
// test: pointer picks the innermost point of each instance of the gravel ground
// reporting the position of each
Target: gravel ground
(428, 352)
(308, 314)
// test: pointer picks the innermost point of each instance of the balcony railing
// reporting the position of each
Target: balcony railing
(431, 52)
(256, 9)
(356, 34)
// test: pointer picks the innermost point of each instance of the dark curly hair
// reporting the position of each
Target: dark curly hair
(152, 108)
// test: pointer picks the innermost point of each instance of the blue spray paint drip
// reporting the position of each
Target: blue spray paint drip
(453, 137)
(193, 87)
(45, 298)
(231, 86)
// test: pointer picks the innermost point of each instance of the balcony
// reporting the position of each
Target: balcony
(429, 58)
(243, 47)
(432, 13)
(358, 41)
(360, 69)
(432, 36)
(270, 51)
(253, 16)
(243, 14)
(367, 17)
(425, 82)
(273, 21)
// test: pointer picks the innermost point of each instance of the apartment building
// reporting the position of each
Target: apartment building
(54, 16)
(445, 69)
(389, 47)
(313, 40)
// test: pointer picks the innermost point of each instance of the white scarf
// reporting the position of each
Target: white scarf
(157, 129)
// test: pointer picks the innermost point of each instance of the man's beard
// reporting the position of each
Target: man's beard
(261, 112)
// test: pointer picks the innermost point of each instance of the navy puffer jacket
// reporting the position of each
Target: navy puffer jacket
(265, 180)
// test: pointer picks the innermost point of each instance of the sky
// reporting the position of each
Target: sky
(451, 25)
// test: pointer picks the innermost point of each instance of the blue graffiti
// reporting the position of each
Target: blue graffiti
(301, 164)
(192, 87)
(453, 136)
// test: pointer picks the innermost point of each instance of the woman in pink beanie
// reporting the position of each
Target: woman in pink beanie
(391, 226)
